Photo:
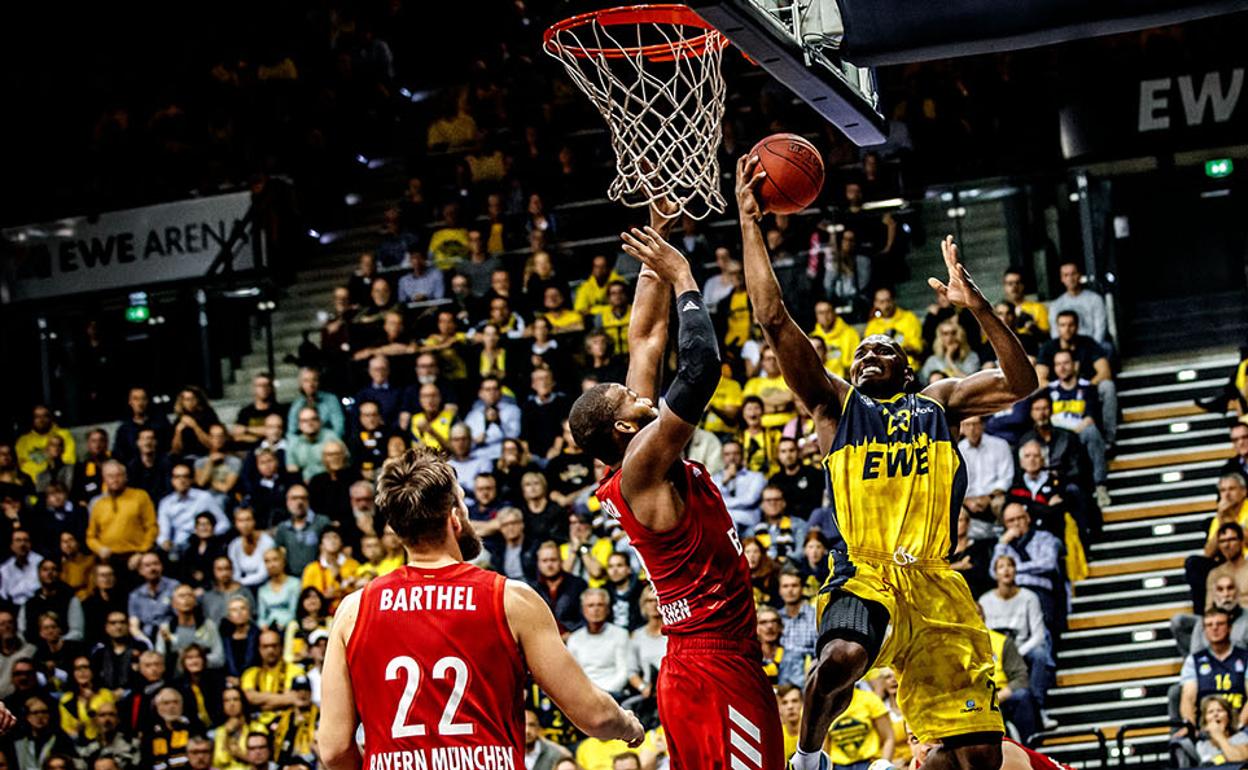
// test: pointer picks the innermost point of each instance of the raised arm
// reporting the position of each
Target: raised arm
(820, 391)
(647, 331)
(991, 390)
(658, 445)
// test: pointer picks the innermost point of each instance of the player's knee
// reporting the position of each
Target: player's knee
(841, 663)
(981, 756)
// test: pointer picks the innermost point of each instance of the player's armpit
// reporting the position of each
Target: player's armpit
(820, 391)
(336, 734)
(557, 672)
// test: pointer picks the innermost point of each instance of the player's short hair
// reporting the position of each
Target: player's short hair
(1069, 314)
(415, 495)
(784, 689)
(592, 421)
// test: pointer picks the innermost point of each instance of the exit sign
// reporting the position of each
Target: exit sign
(138, 314)
(1216, 169)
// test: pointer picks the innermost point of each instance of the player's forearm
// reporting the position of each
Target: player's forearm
(647, 333)
(760, 280)
(1020, 375)
(597, 715)
(697, 359)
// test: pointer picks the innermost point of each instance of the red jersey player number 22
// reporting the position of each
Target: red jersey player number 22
(437, 641)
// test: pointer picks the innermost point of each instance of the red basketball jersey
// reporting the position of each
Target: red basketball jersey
(1037, 760)
(436, 671)
(697, 569)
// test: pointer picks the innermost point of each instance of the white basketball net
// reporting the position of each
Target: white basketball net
(665, 116)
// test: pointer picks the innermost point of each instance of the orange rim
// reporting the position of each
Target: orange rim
(672, 14)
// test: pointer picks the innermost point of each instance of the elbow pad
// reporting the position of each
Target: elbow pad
(697, 360)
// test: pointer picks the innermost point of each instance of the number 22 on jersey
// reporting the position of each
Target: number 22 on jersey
(448, 666)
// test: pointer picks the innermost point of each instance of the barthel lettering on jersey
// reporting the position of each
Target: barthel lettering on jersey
(428, 597)
(491, 757)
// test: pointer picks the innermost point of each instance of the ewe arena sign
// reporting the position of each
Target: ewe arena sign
(144, 246)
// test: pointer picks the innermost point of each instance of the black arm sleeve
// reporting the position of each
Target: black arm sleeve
(697, 360)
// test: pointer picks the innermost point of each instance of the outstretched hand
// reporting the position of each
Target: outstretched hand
(748, 177)
(657, 254)
(961, 290)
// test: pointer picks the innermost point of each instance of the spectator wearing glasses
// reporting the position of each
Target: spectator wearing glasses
(42, 736)
(175, 516)
(326, 405)
(110, 743)
(199, 753)
(115, 658)
(267, 686)
(781, 666)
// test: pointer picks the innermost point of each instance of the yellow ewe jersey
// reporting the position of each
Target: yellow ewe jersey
(897, 484)
(897, 479)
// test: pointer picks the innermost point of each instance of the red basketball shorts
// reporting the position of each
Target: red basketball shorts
(718, 710)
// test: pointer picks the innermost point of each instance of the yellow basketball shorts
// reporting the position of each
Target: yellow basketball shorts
(933, 639)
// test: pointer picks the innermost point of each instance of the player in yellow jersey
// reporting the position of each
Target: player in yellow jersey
(897, 483)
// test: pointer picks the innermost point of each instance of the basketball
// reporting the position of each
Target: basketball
(794, 173)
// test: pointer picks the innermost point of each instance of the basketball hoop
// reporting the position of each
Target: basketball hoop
(653, 72)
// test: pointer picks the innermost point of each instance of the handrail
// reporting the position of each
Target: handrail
(1037, 740)
(1120, 741)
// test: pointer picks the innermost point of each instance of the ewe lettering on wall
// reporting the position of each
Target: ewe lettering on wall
(1116, 115)
(149, 245)
(1158, 105)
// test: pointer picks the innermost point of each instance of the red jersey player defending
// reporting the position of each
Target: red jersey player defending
(1014, 756)
(437, 649)
(715, 704)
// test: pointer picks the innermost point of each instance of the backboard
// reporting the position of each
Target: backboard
(797, 42)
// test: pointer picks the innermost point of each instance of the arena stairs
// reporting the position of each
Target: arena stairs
(1118, 658)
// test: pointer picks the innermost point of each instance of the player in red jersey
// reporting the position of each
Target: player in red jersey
(715, 704)
(1014, 756)
(431, 658)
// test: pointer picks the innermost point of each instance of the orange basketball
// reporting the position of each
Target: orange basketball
(794, 173)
